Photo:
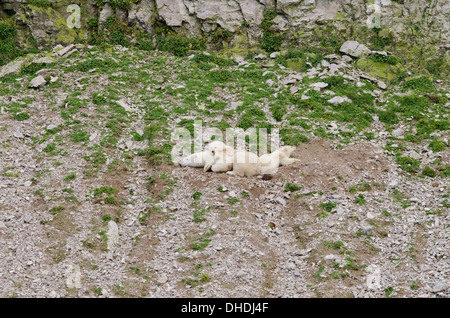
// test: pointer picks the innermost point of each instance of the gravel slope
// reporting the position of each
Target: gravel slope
(357, 225)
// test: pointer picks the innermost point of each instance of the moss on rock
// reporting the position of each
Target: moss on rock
(297, 64)
(384, 71)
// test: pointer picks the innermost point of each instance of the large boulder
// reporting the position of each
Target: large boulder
(355, 49)
(13, 67)
(38, 81)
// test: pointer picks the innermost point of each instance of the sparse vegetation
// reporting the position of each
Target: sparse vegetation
(96, 147)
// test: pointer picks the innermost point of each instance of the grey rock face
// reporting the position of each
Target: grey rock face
(227, 14)
(105, 13)
(142, 14)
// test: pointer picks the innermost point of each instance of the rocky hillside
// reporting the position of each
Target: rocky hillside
(91, 204)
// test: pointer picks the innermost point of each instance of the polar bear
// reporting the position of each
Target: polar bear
(197, 160)
(245, 164)
(269, 163)
(222, 157)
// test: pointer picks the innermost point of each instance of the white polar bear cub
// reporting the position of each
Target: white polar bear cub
(245, 164)
(222, 157)
(197, 160)
(269, 163)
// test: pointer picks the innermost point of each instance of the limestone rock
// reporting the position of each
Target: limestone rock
(45, 60)
(105, 13)
(63, 51)
(252, 11)
(355, 49)
(38, 81)
(319, 85)
(142, 14)
(48, 26)
(339, 100)
(373, 280)
(175, 13)
(73, 276)
(13, 67)
(227, 14)
(112, 234)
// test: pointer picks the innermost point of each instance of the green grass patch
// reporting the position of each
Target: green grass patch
(407, 164)
(104, 190)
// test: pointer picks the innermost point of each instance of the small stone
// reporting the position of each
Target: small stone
(398, 132)
(18, 134)
(58, 47)
(414, 155)
(260, 57)
(93, 136)
(162, 279)
(294, 89)
(330, 258)
(274, 55)
(63, 51)
(240, 273)
(393, 183)
(2, 225)
(70, 52)
(366, 229)
(439, 287)
(38, 81)
(339, 100)
(381, 84)
(319, 85)
(281, 200)
(51, 126)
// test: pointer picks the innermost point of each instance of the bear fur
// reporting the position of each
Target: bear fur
(269, 163)
(245, 164)
(218, 157)
(222, 157)
(197, 160)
